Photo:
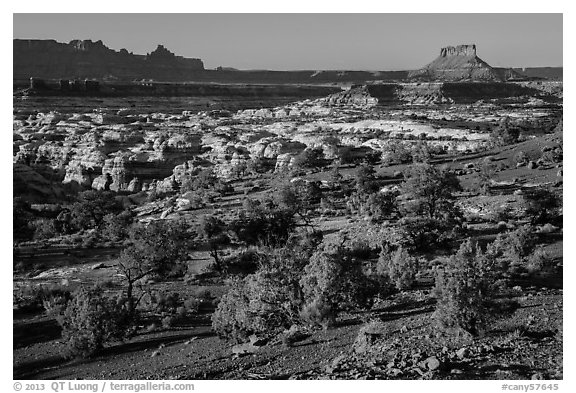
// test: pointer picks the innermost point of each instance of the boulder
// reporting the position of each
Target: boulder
(244, 349)
(432, 363)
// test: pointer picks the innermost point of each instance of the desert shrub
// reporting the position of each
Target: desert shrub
(213, 230)
(521, 158)
(365, 179)
(162, 302)
(206, 178)
(486, 176)
(171, 307)
(261, 303)
(193, 304)
(89, 211)
(31, 297)
(505, 133)
(421, 152)
(359, 248)
(159, 249)
(381, 205)
(553, 156)
(466, 291)
(224, 188)
(428, 192)
(268, 301)
(334, 279)
(318, 312)
(396, 152)
(196, 198)
(501, 214)
(90, 239)
(539, 261)
(513, 247)
(230, 320)
(299, 196)
(309, 158)
(522, 240)
(90, 320)
(116, 227)
(55, 305)
(422, 234)
(263, 223)
(44, 228)
(199, 300)
(244, 261)
(542, 205)
(399, 266)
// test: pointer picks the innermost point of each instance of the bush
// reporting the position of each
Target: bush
(505, 133)
(44, 228)
(539, 261)
(381, 205)
(318, 313)
(263, 223)
(165, 303)
(243, 262)
(521, 158)
(333, 279)
(261, 303)
(268, 301)
(299, 196)
(89, 211)
(553, 156)
(515, 246)
(213, 230)
(486, 175)
(428, 192)
(160, 248)
(466, 291)
(90, 320)
(117, 226)
(423, 234)
(396, 152)
(399, 266)
(542, 205)
(309, 158)
(359, 248)
(31, 297)
(365, 179)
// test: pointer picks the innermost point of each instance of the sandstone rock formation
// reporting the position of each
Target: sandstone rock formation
(430, 93)
(87, 59)
(459, 63)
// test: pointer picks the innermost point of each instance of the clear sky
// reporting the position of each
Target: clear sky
(313, 41)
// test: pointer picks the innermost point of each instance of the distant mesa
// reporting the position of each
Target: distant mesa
(80, 59)
(93, 60)
(461, 64)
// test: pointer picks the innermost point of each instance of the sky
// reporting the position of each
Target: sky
(312, 41)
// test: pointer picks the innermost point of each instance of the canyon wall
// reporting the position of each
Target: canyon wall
(93, 60)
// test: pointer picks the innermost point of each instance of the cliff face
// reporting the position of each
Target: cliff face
(455, 64)
(431, 93)
(87, 59)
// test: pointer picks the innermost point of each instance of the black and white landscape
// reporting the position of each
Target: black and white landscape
(176, 221)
